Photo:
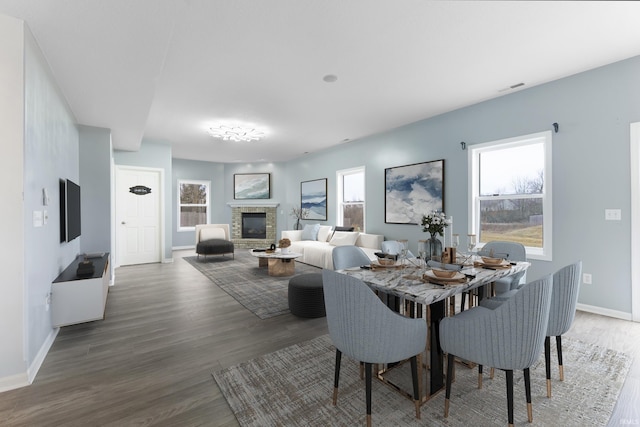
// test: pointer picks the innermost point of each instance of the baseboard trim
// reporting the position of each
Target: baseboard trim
(181, 248)
(13, 382)
(604, 311)
(26, 378)
(167, 260)
(42, 354)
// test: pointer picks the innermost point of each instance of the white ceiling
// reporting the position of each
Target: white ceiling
(165, 69)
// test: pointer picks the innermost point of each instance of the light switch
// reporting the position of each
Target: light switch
(612, 214)
(37, 218)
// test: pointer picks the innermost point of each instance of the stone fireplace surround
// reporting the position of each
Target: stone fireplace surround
(237, 208)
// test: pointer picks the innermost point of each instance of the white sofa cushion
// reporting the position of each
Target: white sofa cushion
(344, 238)
(320, 253)
(293, 235)
(373, 241)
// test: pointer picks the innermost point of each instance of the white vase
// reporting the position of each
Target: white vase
(284, 250)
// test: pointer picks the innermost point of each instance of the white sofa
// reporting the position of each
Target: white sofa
(318, 252)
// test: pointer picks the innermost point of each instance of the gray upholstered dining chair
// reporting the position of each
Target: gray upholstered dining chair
(363, 328)
(566, 285)
(348, 256)
(507, 286)
(510, 337)
(512, 251)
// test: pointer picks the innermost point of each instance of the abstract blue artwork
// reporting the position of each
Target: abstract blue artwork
(412, 191)
(251, 186)
(313, 198)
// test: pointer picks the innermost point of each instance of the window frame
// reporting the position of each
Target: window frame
(340, 195)
(544, 253)
(180, 204)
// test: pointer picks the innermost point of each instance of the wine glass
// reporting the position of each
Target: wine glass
(404, 248)
(471, 242)
(422, 253)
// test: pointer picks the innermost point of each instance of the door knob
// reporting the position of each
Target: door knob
(123, 223)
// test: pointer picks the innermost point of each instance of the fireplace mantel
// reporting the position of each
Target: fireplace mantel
(253, 204)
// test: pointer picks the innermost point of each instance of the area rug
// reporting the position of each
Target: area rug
(250, 285)
(293, 387)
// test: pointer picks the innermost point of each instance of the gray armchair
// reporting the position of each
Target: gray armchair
(510, 337)
(566, 284)
(348, 256)
(213, 239)
(363, 328)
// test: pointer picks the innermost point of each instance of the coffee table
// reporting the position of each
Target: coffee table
(278, 264)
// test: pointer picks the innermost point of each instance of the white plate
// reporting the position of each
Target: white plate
(455, 277)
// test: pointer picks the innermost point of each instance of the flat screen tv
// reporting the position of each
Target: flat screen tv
(70, 226)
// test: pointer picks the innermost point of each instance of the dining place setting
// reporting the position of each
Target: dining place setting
(449, 268)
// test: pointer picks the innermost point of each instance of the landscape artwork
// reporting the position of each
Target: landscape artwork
(412, 191)
(251, 186)
(313, 197)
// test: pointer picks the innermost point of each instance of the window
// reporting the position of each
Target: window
(193, 205)
(510, 185)
(351, 198)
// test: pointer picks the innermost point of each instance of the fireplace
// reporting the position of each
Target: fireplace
(244, 232)
(254, 225)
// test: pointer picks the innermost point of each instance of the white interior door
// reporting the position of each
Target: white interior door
(138, 215)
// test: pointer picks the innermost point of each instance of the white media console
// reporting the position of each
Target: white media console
(80, 299)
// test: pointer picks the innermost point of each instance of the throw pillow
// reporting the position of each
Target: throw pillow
(340, 228)
(324, 233)
(310, 232)
(344, 238)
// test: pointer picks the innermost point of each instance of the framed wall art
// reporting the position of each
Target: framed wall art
(251, 186)
(313, 197)
(412, 191)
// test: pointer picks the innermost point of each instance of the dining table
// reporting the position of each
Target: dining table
(410, 290)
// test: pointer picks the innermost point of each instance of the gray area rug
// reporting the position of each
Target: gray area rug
(293, 387)
(250, 285)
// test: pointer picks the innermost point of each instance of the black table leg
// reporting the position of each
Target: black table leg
(436, 354)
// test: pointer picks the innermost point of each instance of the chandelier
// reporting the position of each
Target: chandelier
(236, 133)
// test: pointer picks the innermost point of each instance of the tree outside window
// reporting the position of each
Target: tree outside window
(193, 206)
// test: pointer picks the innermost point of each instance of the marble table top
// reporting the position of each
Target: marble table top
(407, 283)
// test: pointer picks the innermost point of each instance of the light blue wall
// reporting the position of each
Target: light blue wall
(51, 154)
(590, 168)
(154, 154)
(13, 372)
(201, 171)
(95, 182)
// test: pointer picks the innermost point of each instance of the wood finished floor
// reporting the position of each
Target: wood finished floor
(168, 327)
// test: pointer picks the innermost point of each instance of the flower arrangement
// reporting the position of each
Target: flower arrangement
(434, 223)
(284, 243)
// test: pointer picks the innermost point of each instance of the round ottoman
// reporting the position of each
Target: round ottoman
(306, 298)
